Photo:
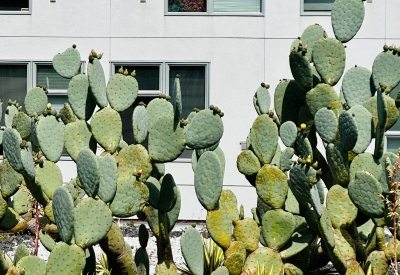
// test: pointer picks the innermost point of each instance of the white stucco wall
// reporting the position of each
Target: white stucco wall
(243, 52)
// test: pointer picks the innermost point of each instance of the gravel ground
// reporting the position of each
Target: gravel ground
(9, 242)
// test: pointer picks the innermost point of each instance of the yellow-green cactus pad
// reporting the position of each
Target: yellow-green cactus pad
(341, 209)
(366, 162)
(272, 186)
(247, 163)
(77, 136)
(347, 18)
(134, 160)
(107, 128)
(277, 228)
(266, 257)
(49, 177)
(22, 123)
(31, 265)
(66, 259)
(329, 58)
(228, 201)
(130, 198)
(247, 232)
(323, 95)
(22, 201)
(364, 191)
(378, 262)
(235, 256)
(166, 139)
(264, 138)
(208, 180)
(92, 221)
(219, 225)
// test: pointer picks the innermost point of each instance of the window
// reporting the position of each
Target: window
(15, 6)
(17, 78)
(392, 137)
(157, 78)
(316, 7)
(214, 7)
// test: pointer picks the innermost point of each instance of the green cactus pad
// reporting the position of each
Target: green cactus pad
(378, 262)
(389, 251)
(329, 58)
(387, 161)
(256, 106)
(107, 128)
(142, 261)
(35, 101)
(272, 186)
(22, 123)
(357, 85)
(291, 203)
(154, 191)
(348, 131)
(392, 111)
(166, 139)
(301, 70)
(341, 209)
(20, 252)
(264, 256)
(288, 133)
(338, 163)
(122, 91)
(3, 207)
(365, 162)
(68, 258)
(159, 107)
(9, 220)
(88, 172)
(77, 136)
(297, 243)
(204, 130)
(219, 225)
(385, 70)
(134, 160)
(11, 111)
(311, 34)
(364, 191)
(382, 108)
(247, 232)
(287, 100)
(302, 146)
(22, 201)
(47, 241)
(140, 124)
(130, 198)
(173, 215)
(143, 236)
(277, 228)
(63, 210)
(326, 124)
(168, 194)
(228, 202)
(264, 138)
(364, 123)
(263, 99)
(208, 180)
(344, 250)
(82, 102)
(11, 146)
(347, 18)
(192, 250)
(286, 159)
(108, 177)
(67, 114)
(68, 63)
(48, 177)
(97, 82)
(302, 179)
(247, 163)
(221, 270)
(323, 95)
(32, 265)
(27, 162)
(50, 135)
(92, 221)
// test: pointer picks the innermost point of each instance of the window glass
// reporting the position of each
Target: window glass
(318, 5)
(393, 94)
(237, 6)
(57, 101)
(187, 5)
(13, 85)
(47, 76)
(148, 77)
(393, 144)
(14, 5)
(193, 85)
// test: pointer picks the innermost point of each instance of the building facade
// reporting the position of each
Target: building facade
(224, 50)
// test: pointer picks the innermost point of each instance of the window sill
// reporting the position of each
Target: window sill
(238, 14)
(15, 12)
(315, 13)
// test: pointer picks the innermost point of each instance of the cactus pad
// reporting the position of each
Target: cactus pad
(297, 243)
(107, 128)
(347, 18)
(357, 85)
(341, 209)
(48, 177)
(32, 265)
(264, 138)
(134, 160)
(326, 124)
(108, 177)
(288, 100)
(266, 257)
(219, 225)
(247, 232)
(263, 99)
(385, 70)
(323, 95)
(88, 172)
(168, 193)
(68, 258)
(68, 63)
(122, 91)
(301, 70)
(277, 228)
(140, 124)
(348, 130)
(364, 123)
(272, 186)
(208, 180)
(11, 144)
(288, 133)
(50, 135)
(192, 250)
(35, 101)
(247, 163)
(77, 137)
(97, 82)
(311, 34)
(82, 102)
(11, 111)
(63, 210)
